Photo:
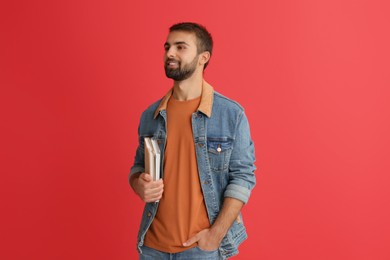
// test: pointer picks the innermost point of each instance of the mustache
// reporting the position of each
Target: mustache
(171, 60)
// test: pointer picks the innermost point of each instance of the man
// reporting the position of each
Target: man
(193, 212)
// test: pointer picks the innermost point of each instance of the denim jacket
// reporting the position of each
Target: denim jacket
(224, 152)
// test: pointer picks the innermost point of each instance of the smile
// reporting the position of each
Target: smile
(172, 64)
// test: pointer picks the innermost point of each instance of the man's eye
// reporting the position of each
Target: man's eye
(180, 47)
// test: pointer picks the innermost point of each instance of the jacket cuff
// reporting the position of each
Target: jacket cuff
(135, 169)
(237, 192)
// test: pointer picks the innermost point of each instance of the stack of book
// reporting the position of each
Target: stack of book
(152, 158)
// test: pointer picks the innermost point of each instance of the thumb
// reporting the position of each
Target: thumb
(146, 176)
(192, 240)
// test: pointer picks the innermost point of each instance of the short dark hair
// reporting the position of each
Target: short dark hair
(204, 39)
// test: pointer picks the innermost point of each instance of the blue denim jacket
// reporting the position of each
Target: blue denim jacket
(224, 152)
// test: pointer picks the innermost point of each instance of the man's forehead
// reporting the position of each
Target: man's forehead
(181, 36)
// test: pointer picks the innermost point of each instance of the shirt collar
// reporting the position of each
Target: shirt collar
(206, 100)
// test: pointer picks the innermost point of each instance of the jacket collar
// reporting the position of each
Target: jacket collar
(206, 100)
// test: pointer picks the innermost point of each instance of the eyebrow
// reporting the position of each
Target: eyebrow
(176, 43)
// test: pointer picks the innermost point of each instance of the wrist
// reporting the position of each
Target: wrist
(133, 180)
(217, 233)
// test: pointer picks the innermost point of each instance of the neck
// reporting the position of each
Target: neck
(188, 89)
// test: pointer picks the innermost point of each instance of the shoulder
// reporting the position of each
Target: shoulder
(222, 101)
(149, 111)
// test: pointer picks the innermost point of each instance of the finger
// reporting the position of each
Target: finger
(192, 240)
(153, 193)
(153, 185)
(153, 190)
(154, 198)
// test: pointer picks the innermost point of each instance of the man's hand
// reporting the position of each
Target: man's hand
(147, 189)
(206, 239)
(210, 239)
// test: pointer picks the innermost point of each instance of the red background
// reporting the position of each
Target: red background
(312, 75)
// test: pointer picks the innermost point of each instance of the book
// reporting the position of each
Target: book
(152, 158)
(149, 156)
(157, 153)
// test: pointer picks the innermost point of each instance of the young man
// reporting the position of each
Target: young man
(193, 212)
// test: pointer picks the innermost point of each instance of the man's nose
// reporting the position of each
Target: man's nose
(170, 53)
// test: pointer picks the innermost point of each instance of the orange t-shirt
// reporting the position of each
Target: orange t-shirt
(182, 211)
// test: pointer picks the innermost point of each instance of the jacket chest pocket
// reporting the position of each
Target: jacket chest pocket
(219, 151)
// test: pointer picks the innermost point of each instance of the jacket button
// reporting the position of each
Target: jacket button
(149, 214)
(200, 144)
(159, 141)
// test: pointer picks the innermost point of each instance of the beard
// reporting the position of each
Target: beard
(180, 73)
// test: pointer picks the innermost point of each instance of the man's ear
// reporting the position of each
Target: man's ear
(204, 57)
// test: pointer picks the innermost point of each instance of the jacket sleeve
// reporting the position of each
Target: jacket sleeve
(139, 164)
(241, 166)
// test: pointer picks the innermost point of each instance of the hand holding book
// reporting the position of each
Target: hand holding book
(148, 185)
(147, 189)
